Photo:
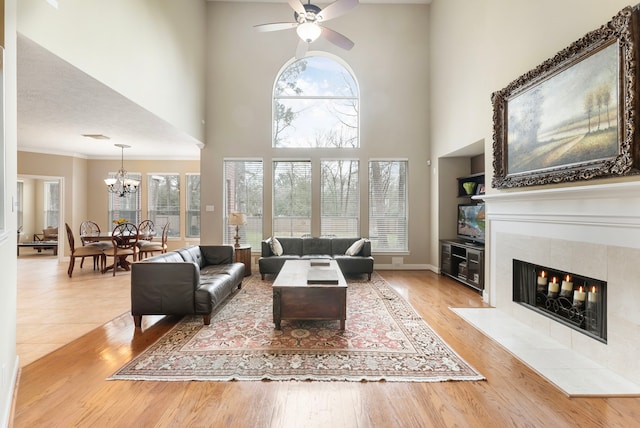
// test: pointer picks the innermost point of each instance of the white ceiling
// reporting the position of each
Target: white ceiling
(58, 103)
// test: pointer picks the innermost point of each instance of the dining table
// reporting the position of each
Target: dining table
(108, 236)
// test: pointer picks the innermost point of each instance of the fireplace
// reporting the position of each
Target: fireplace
(576, 301)
(590, 231)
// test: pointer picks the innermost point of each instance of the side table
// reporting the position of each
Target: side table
(243, 255)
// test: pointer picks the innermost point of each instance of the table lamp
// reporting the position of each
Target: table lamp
(237, 219)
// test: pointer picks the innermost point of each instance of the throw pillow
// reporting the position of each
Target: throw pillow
(276, 246)
(355, 247)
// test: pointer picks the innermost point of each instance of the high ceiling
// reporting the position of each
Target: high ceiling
(58, 103)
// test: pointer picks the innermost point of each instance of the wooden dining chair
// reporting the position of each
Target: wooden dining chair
(146, 230)
(89, 230)
(124, 238)
(82, 252)
(149, 247)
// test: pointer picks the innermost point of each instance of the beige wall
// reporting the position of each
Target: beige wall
(390, 63)
(480, 47)
(85, 194)
(152, 52)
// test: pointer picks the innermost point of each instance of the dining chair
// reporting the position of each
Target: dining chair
(124, 238)
(88, 231)
(82, 252)
(146, 230)
(149, 247)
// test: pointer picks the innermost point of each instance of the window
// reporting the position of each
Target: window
(243, 194)
(291, 198)
(340, 199)
(315, 104)
(128, 206)
(193, 206)
(388, 206)
(51, 203)
(164, 202)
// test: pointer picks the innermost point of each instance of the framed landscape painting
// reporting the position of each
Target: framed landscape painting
(574, 117)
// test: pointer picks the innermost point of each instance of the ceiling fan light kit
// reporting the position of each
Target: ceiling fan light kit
(308, 18)
(309, 31)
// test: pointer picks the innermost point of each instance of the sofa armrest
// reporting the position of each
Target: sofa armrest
(163, 287)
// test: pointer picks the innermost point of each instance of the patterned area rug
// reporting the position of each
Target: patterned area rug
(384, 339)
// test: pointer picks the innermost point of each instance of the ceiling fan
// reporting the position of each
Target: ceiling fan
(308, 19)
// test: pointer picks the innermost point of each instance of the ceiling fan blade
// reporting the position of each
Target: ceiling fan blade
(297, 6)
(301, 50)
(275, 26)
(336, 9)
(337, 39)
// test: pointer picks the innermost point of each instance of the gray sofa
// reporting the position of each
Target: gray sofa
(191, 280)
(317, 248)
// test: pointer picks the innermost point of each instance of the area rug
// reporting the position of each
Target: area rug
(384, 340)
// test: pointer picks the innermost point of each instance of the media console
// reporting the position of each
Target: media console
(463, 261)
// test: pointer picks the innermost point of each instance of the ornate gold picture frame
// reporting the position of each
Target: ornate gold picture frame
(574, 117)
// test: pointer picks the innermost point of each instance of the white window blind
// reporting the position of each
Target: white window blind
(51, 203)
(244, 194)
(291, 198)
(340, 199)
(163, 202)
(388, 206)
(128, 206)
(192, 223)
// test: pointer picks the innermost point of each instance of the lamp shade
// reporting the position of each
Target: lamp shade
(308, 31)
(237, 219)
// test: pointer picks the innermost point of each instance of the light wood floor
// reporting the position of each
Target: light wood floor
(67, 387)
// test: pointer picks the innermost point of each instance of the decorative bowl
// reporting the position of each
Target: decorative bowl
(469, 187)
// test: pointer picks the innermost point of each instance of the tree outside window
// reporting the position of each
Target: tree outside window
(164, 202)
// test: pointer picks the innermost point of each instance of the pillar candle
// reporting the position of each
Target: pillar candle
(579, 295)
(542, 279)
(553, 285)
(567, 284)
(593, 297)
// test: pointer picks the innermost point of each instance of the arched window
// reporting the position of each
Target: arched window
(316, 104)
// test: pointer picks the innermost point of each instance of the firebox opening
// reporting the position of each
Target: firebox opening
(568, 298)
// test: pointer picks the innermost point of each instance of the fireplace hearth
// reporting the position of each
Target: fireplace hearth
(570, 299)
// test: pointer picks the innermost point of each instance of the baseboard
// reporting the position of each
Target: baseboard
(9, 408)
(378, 266)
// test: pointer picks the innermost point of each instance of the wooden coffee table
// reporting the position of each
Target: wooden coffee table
(294, 299)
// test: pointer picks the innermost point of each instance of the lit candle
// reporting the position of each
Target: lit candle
(542, 279)
(593, 297)
(567, 288)
(579, 295)
(567, 284)
(553, 285)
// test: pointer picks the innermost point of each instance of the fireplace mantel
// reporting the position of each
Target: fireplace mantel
(592, 229)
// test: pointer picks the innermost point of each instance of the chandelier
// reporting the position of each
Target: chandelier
(121, 184)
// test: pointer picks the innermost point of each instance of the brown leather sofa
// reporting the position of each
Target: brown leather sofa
(191, 280)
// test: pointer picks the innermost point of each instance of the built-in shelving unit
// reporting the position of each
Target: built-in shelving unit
(478, 187)
(463, 262)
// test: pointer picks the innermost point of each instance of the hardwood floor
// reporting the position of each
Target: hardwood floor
(67, 387)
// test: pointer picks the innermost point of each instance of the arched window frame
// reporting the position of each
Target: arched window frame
(354, 98)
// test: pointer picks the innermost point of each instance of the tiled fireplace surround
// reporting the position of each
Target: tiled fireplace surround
(592, 230)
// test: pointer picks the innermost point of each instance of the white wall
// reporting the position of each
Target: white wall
(479, 47)
(8, 358)
(390, 62)
(152, 52)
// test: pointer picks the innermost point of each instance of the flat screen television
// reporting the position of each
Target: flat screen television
(471, 222)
